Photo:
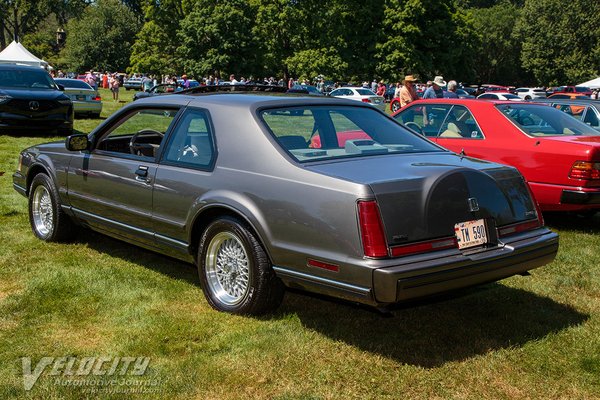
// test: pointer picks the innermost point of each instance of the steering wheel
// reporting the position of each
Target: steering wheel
(527, 121)
(135, 148)
(414, 126)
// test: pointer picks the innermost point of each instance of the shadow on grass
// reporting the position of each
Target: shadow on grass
(156, 262)
(427, 333)
(430, 333)
(574, 222)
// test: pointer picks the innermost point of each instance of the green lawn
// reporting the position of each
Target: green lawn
(532, 337)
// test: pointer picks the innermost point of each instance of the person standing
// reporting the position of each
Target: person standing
(114, 86)
(186, 82)
(451, 92)
(380, 89)
(435, 91)
(408, 93)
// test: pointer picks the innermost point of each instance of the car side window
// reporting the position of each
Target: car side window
(426, 120)
(591, 118)
(191, 143)
(139, 133)
(460, 123)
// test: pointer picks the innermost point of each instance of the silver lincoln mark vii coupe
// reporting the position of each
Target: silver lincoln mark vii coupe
(264, 191)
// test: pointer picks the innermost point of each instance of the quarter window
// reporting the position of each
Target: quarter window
(460, 123)
(192, 143)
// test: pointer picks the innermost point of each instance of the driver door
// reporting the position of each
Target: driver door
(110, 187)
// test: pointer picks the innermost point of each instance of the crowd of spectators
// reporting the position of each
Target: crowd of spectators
(407, 90)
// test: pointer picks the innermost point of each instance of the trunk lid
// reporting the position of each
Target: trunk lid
(423, 197)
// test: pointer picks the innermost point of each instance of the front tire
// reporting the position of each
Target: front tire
(47, 219)
(395, 106)
(235, 272)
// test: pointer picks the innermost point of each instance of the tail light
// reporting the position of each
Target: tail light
(371, 229)
(366, 100)
(528, 225)
(97, 98)
(585, 170)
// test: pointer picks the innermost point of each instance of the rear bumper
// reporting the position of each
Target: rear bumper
(82, 107)
(580, 197)
(565, 198)
(423, 278)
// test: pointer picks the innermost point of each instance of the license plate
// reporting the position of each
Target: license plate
(471, 233)
(80, 98)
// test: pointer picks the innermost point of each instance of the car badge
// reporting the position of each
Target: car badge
(473, 205)
(34, 105)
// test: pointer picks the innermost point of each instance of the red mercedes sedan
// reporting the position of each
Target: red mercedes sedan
(557, 154)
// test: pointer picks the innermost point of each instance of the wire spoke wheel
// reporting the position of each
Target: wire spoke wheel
(227, 268)
(42, 211)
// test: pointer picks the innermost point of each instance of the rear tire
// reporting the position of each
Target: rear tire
(48, 220)
(235, 272)
(395, 106)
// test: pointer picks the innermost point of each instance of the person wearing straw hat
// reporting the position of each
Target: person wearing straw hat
(408, 93)
(435, 91)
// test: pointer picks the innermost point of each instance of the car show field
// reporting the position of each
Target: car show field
(525, 337)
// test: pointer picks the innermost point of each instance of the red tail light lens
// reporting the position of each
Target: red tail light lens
(371, 229)
(520, 227)
(585, 170)
(97, 98)
(366, 100)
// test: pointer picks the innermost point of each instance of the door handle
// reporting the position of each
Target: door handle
(141, 174)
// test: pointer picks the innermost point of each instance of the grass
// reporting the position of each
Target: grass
(532, 337)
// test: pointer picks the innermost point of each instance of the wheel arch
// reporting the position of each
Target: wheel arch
(209, 214)
(34, 170)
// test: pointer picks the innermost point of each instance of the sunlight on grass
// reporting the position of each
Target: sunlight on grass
(525, 337)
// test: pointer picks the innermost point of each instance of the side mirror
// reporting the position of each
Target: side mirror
(60, 87)
(77, 142)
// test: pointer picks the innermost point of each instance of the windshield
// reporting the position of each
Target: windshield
(331, 132)
(26, 79)
(540, 120)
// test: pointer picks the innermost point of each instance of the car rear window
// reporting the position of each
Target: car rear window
(365, 92)
(77, 84)
(331, 132)
(540, 120)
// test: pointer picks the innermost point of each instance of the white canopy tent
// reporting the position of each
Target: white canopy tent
(18, 54)
(593, 84)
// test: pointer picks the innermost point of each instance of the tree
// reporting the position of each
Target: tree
(154, 51)
(102, 38)
(313, 62)
(497, 56)
(426, 37)
(560, 47)
(215, 38)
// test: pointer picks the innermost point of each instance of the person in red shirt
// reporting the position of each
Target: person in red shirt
(381, 89)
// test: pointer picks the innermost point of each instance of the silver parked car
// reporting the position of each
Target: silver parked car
(85, 98)
(265, 191)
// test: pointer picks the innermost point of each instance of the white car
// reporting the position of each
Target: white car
(499, 96)
(531, 93)
(358, 94)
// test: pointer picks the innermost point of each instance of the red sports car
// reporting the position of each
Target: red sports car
(557, 154)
